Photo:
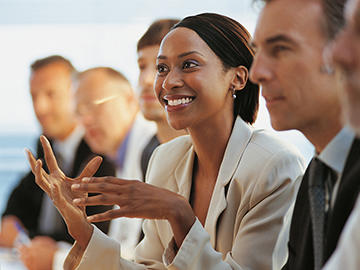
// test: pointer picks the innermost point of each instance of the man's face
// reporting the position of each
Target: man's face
(289, 42)
(50, 89)
(149, 104)
(104, 106)
(346, 55)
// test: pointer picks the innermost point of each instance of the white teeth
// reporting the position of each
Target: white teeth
(175, 102)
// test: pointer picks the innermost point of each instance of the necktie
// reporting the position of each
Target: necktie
(320, 180)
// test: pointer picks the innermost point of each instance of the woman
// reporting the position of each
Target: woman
(215, 198)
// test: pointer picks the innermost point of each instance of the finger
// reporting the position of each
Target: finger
(108, 215)
(116, 213)
(32, 162)
(102, 187)
(91, 168)
(101, 199)
(40, 180)
(61, 202)
(107, 179)
(31, 159)
(49, 154)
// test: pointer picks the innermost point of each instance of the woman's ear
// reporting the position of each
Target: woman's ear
(240, 79)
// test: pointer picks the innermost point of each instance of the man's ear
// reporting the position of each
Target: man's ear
(240, 78)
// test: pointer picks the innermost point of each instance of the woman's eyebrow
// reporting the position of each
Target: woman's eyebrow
(180, 55)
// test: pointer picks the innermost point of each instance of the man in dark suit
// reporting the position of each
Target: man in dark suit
(301, 92)
(28, 208)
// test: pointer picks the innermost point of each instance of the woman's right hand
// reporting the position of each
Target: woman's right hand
(58, 187)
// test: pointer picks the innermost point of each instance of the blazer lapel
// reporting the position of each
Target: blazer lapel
(239, 139)
(183, 172)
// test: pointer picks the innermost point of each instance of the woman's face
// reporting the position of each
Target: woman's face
(191, 83)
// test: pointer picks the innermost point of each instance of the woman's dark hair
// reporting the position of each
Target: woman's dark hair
(229, 40)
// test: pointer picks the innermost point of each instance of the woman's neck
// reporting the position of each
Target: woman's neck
(210, 140)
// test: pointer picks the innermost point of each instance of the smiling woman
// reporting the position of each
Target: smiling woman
(207, 203)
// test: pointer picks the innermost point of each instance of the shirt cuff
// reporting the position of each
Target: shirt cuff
(192, 245)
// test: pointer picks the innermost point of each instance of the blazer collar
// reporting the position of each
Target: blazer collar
(239, 139)
(184, 170)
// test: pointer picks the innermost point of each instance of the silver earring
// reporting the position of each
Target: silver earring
(233, 92)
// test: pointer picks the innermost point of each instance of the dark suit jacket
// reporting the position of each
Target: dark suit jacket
(300, 241)
(26, 199)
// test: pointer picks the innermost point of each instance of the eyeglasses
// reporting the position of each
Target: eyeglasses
(92, 107)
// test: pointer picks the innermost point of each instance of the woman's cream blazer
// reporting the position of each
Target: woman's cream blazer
(253, 191)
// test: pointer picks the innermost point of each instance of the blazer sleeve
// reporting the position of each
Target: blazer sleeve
(25, 202)
(26, 198)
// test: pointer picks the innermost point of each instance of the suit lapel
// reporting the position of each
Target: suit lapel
(183, 172)
(239, 139)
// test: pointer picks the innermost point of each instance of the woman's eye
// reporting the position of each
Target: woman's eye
(189, 64)
(161, 68)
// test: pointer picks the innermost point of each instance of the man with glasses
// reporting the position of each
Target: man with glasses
(109, 110)
(28, 208)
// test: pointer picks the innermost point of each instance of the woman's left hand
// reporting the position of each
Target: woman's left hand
(137, 200)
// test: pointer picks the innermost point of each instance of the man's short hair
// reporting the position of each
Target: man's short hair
(333, 15)
(40, 63)
(112, 73)
(155, 33)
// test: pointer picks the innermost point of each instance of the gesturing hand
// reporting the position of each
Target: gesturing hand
(58, 188)
(137, 200)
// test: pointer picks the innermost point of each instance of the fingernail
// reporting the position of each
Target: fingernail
(76, 201)
(75, 186)
(86, 179)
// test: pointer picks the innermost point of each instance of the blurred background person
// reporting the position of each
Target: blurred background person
(109, 110)
(107, 107)
(147, 51)
(345, 54)
(28, 209)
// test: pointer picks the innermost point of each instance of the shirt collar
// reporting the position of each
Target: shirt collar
(335, 153)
